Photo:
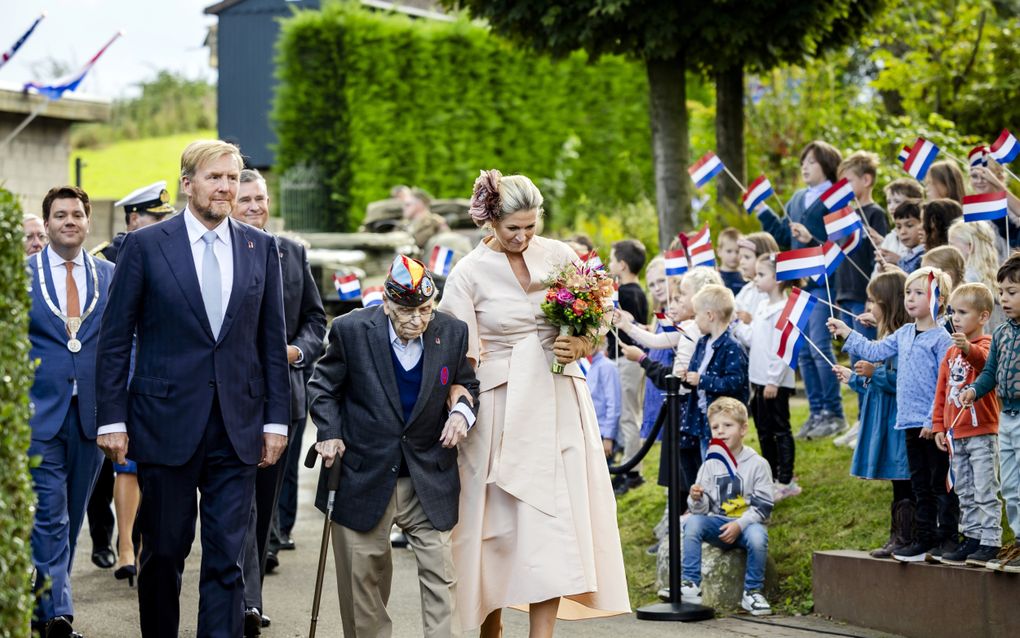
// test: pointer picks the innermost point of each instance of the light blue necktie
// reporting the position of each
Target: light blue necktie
(212, 293)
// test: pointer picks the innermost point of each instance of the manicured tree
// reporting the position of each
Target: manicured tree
(721, 37)
(735, 36)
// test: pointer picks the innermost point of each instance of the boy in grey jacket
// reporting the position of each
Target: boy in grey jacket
(730, 504)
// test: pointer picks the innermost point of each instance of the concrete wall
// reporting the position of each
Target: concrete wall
(36, 159)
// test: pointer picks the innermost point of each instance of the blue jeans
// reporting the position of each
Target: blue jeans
(1009, 466)
(701, 528)
(820, 383)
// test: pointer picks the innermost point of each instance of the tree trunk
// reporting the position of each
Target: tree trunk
(729, 132)
(667, 106)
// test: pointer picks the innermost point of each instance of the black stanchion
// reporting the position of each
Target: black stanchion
(674, 609)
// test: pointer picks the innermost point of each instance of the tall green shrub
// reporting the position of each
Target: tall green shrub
(17, 500)
(377, 99)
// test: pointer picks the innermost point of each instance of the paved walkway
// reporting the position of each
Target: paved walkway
(107, 608)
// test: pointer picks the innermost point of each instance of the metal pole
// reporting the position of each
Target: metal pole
(78, 165)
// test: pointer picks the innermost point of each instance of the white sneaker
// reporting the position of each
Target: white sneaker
(848, 436)
(754, 603)
(690, 593)
(785, 490)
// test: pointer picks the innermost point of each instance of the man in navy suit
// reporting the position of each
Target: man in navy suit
(209, 400)
(69, 296)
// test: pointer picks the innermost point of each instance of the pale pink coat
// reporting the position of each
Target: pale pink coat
(537, 510)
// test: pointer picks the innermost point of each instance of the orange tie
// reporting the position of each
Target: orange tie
(73, 305)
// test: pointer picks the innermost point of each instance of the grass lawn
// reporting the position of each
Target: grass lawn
(114, 171)
(835, 511)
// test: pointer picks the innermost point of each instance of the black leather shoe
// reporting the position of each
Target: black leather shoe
(252, 622)
(103, 558)
(60, 627)
(265, 621)
(285, 542)
(272, 561)
(397, 539)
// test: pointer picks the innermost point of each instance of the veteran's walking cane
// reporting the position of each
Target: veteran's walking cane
(332, 483)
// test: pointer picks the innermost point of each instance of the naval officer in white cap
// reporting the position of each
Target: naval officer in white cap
(143, 207)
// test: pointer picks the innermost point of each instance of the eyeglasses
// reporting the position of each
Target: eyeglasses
(423, 312)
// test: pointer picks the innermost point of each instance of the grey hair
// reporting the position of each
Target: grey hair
(251, 175)
(517, 193)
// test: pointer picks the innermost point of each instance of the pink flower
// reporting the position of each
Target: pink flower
(564, 296)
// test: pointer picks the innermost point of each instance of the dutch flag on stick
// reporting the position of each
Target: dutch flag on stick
(802, 262)
(347, 286)
(705, 169)
(702, 255)
(667, 325)
(852, 242)
(757, 192)
(921, 156)
(592, 261)
(987, 206)
(934, 293)
(903, 154)
(55, 89)
(978, 156)
(1005, 149)
(719, 451)
(790, 341)
(797, 310)
(839, 195)
(842, 223)
(833, 258)
(441, 262)
(676, 262)
(372, 296)
(701, 238)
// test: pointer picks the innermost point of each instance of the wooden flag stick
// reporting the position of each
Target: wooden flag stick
(781, 204)
(843, 310)
(734, 178)
(963, 163)
(817, 349)
(828, 294)
(1009, 172)
(867, 227)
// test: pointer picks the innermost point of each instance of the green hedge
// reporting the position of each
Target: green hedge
(378, 99)
(17, 500)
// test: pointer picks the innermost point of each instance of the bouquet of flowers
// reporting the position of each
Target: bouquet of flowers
(579, 296)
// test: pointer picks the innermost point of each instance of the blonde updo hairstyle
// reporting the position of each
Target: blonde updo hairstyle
(495, 196)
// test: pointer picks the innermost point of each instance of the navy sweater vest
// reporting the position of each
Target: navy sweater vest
(408, 384)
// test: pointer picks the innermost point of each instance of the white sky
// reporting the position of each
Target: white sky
(159, 34)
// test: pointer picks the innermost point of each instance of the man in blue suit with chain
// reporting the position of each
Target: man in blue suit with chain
(69, 296)
(209, 400)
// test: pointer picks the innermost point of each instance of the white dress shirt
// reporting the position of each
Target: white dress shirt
(58, 273)
(409, 353)
(223, 249)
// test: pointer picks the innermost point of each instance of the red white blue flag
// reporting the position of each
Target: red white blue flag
(978, 156)
(9, 53)
(951, 447)
(986, 206)
(441, 262)
(665, 323)
(372, 296)
(790, 341)
(852, 242)
(757, 192)
(833, 258)
(842, 223)
(702, 255)
(797, 309)
(934, 293)
(347, 286)
(1005, 149)
(921, 156)
(839, 195)
(616, 296)
(592, 260)
(55, 89)
(676, 262)
(903, 154)
(802, 262)
(719, 451)
(705, 169)
(700, 238)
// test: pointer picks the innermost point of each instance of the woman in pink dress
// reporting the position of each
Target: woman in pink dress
(537, 513)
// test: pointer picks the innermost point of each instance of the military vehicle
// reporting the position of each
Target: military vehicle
(367, 254)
